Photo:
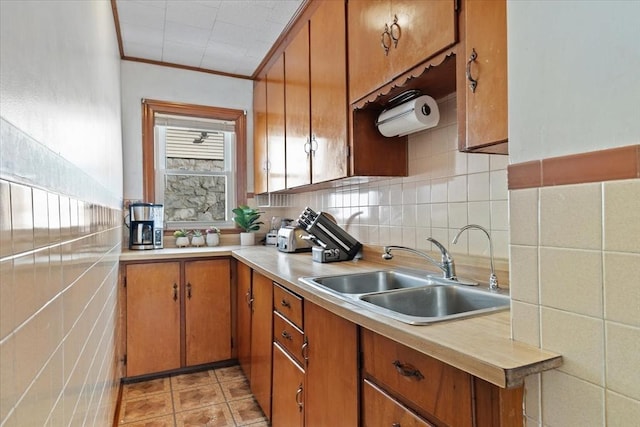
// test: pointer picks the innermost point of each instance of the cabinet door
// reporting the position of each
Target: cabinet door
(260, 160)
(486, 122)
(207, 311)
(243, 325)
(368, 65)
(261, 341)
(298, 144)
(275, 125)
(153, 317)
(423, 29)
(288, 390)
(331, 396)
(380, 409)
(328, 69)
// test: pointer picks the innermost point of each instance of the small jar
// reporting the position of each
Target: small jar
(182, 242)
(213, 239)
(197, 241)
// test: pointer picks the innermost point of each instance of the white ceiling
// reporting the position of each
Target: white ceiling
(228, 36)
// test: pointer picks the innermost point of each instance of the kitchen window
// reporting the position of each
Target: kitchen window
(194, 162)
(195, 170)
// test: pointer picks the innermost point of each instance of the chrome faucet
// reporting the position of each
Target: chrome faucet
(493, 279)
(446, 265)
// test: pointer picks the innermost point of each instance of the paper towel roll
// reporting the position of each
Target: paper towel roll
(412, 116)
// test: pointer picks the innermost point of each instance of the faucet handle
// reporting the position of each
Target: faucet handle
(443, 250)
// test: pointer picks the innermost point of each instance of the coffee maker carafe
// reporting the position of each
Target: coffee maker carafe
(143, 232)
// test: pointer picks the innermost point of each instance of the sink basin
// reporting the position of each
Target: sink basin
(434, 303)
(411, 298)
(375, 281)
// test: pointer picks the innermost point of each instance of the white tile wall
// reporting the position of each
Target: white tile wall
(576, 248)
(58, 276)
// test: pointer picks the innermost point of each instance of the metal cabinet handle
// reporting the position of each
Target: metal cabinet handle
(175, 292)
(473, 83)
(285, 303)
(286, 335)
(307, 147)
(386, 39)
(299, 397)
(304, 350)
(396, 425)
(248, 299)
(314, 145)
(407, 370)
(189, 290)
(395, 31)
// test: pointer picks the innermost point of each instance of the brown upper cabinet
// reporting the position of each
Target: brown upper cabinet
(482, 78)
(275, 126)
(389, 37)
(316, 98)
(260, 160)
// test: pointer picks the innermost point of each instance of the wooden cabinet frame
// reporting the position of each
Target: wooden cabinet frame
(149, 109)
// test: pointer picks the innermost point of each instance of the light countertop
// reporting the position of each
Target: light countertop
(481, 346)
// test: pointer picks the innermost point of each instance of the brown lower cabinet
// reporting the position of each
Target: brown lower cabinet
(305, 371)
(288, 390)
(178, 314)
(400, 383)
(261, 341)
(243, 317)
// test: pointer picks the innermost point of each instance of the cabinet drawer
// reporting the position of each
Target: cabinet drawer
(380, 409)
(288, 336)
(288, 304)
(432, 388)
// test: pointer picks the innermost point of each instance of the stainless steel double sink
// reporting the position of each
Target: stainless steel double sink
(411, 298)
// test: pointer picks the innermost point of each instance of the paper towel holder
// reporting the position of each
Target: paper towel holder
(401, 98)
(399, 116)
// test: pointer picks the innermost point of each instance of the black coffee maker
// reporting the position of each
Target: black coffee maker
(141, 226)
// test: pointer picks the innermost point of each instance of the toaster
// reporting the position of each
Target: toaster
(292, 239)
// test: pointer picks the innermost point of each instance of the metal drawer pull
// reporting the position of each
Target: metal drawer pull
(189, 290)
(407, 370)
(285, 303)
(175, 292)
(286, 335)
(396, 425)
(473, 83)
(248, 298)
(299, 397)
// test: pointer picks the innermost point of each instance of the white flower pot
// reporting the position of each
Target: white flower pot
(197, 241)
(213, 239)
(247, 239)
(182, 242)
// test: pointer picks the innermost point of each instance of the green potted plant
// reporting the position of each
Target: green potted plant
(182, 238)
(197, 239)
(248, 220)
(213, 236)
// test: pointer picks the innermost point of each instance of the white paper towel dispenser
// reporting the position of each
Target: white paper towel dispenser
(412, 116)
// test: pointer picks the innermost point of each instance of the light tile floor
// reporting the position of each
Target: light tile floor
(217, 398)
